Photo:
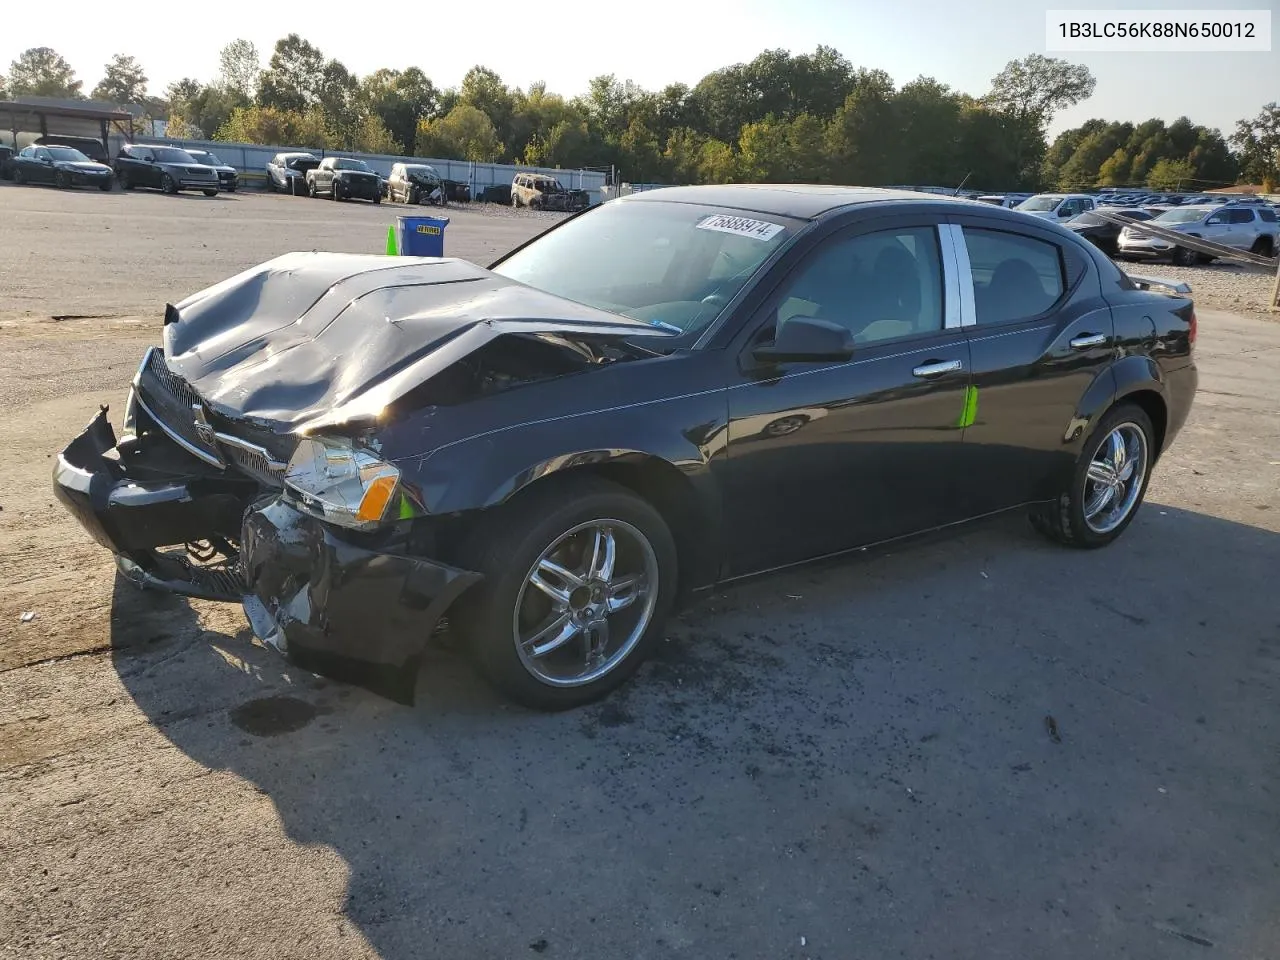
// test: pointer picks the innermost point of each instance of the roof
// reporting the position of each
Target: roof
(801, 201)
(82, 109)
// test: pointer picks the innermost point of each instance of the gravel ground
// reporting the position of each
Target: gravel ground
(1244, 289)
(984, 746)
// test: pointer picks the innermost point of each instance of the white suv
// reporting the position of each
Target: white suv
(1058, 206)
(1243, 226)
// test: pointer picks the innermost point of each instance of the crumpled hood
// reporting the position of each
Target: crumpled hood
(308, 335)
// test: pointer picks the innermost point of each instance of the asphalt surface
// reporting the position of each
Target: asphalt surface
(984, 746)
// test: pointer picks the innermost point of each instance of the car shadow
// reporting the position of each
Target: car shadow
(910, 750)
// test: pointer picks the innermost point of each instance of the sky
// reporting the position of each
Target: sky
(665, 41)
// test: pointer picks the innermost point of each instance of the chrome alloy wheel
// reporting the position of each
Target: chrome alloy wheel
(585, 603)
(1115, 477)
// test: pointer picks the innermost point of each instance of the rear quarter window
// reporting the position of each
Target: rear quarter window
(1268, 216)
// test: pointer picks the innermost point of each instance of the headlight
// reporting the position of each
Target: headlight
(338, 481)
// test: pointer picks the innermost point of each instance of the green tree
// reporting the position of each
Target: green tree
(1032, 90)
(239, 68)
(1114, 171)
(272, 125)
(1171, 175)
(861, 138)
(372, 136)
(42, 72)
(717, 163)
(927, 122)
(1258, 141)
(400, 99)
(293, 76)
(484, 90)
(464, 133)
(123, 81)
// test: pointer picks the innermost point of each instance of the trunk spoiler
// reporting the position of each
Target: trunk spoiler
(1173, 286)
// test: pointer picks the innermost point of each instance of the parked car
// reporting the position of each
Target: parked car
(287, 172)
(540, 191)
(553, 450)
(165, 168)
(1061, 206)
(1104, 234)
(344, 178)
(91, 148)
(228, 178)
(1244, 226)
(415, 183)
(61, 166)
(456, 191)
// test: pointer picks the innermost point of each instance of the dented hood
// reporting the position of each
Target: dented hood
(313, 338)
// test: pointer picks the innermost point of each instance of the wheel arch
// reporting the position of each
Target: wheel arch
(1136, 379)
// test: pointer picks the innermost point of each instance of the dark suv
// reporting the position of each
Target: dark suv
(165, 168)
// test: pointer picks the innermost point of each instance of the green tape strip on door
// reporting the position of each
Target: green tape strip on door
(969, 413)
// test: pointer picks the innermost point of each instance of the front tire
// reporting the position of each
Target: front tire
(579, 577)
(167, 184)
(311, 189)
(1182, 257)
(62, 181)
(210, 193)
(1108, 484)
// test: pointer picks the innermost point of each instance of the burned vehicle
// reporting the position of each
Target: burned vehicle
(539, 191)
(667, 391)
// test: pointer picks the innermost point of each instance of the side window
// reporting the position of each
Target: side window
(1267, 216)
(881, 286)
(1015, 277)
(1241, 216)
(27, 152)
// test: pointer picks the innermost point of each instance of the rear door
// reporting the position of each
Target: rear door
(1039, 333)
(1242, 227)
(827, 456)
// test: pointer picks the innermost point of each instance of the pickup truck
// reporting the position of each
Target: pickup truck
(343, 178)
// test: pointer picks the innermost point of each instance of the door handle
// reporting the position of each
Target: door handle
(936, 368)
(1088, 340)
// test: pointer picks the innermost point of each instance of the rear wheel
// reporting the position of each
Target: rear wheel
(19, 176)
(1108, 484)
(578, 579)
(1263, 247)
(125, 182)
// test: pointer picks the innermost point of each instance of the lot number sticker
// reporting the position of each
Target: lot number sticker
(742, 227)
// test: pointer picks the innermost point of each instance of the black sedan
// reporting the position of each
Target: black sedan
(668, 391)
(1104, 234)
(62, 166)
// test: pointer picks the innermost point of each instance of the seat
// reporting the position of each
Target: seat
(1015, 291)
(890, 305)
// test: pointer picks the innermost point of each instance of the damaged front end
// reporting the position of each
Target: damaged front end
(251, 466)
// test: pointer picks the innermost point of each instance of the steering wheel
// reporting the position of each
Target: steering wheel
(715, 299)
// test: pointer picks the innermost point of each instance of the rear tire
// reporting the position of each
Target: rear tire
(509, 549)
(1263, 247)
(1070, 519)
(19, 177)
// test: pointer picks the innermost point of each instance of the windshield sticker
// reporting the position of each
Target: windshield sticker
(741, 226)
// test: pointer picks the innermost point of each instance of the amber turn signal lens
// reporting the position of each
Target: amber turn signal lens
(373, 505)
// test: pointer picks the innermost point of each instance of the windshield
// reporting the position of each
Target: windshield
(1180, 215)
(172, 155)
(204, 156)
(665, 263)
(342, 163)
(419, 171)
(1040, 204)
(303, 163)
(66, 153)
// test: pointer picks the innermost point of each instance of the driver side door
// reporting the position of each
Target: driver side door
(827, 456)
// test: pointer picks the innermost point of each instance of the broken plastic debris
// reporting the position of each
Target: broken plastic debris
(984, 575)
(1162, 789)
(28, 617)
(803, 942)
(794, 596)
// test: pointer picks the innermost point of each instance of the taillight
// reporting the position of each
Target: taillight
(1191, 328)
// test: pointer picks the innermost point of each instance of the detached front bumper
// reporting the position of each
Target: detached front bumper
(338, 607)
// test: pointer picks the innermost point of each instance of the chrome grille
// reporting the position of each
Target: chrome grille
(255, 462)
(174, 384)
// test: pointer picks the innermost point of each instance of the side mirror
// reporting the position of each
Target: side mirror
(806, 340)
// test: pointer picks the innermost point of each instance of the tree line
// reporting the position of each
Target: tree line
(782, 117)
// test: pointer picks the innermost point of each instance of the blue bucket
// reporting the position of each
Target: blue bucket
(421, 236)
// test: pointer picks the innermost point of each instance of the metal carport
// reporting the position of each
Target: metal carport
(25, 119)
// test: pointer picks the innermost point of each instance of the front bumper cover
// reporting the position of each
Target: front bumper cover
(355, 612)
(338, 607)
